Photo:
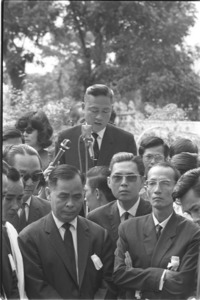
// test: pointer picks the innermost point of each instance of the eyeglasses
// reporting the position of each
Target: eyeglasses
(28, 130)
(34, 176)
(117, 178)
(156, 157)
(151, 184)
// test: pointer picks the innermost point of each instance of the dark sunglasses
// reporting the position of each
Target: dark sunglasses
(34, 176)
(28, 130)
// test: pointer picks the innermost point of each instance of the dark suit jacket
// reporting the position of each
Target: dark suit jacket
(150, 257)
(47, 266)
(108, 217)
(38, 208)
(9, 278)
(114, 140)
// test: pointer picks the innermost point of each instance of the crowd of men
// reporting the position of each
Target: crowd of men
(115, 232)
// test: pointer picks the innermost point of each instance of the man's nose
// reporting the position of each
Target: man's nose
(70, 202)
(157, 188)
(124, 181)
(15, 205)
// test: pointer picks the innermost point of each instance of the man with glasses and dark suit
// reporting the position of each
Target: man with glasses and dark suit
(27, 161)
(125, 181)
(162, 247)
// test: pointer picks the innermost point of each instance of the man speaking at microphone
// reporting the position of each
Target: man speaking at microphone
(106, 139)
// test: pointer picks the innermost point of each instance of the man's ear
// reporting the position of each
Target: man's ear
(97, 191)
(108, 182)
(47, 192)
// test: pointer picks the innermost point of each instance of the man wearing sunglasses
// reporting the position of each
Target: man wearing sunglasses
(27, 161)
(125, 181)
(162, 246)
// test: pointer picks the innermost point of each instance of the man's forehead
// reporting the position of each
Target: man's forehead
(124, 167)
(154, 150)
(160, 172)
(27, 162)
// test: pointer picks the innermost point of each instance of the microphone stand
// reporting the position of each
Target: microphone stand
(63, 147)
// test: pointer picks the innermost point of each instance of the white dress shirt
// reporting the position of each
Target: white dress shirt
(99, 140)
(131, 211)
(73, 230)
(27, 207)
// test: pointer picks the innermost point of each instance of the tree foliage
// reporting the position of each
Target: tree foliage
(129, 45)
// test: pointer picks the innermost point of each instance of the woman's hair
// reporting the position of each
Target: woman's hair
(39, 121)
(185, 161)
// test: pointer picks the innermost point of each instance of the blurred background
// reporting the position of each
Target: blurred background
(148, 52)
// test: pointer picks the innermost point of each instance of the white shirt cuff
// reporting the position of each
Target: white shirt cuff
(162, 279)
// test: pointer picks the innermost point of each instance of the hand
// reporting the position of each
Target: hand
(48, 171)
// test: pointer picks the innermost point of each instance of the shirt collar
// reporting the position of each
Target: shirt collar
(163, 223)
(132, 210)
(101, 133)
(28, 202)
(60, 223)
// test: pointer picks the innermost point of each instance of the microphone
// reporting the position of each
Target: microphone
(87, 137)
(63, 147)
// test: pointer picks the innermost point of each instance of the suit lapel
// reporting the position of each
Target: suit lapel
(114, 220)
(165, 240)
(57, 243)
(106, 146)
(34, 212)
(83, 247)
(142, 208)
(150, 238)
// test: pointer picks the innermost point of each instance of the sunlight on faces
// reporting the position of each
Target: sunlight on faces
(160, 187)
(152, 156)
(125, 190)
(14, 196)
(4, 191)
(191, 204)
(97, 110)
(28, 164)
(66, 198)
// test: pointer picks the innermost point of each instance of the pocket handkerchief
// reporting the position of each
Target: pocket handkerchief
(97, 262)
(174, 264)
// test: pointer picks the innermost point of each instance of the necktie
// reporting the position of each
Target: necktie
(126, 215)
(158, 230)
(22, 218)
(68, 241)
(95, 147)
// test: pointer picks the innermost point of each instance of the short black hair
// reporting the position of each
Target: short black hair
(97, 179)
(99, 90)
(39, 121)
(153, 141)
(13, 174)
(11, 132)
(182, 145)
(189, 180)
(166, 164)
(126, 156)
(64, 172)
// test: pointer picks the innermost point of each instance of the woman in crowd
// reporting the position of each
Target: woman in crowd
(37, 132)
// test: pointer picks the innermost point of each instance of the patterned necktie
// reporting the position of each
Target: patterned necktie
(69, 245)
(22, 218)
(158, 230)
(126, 215)
(95, 147)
